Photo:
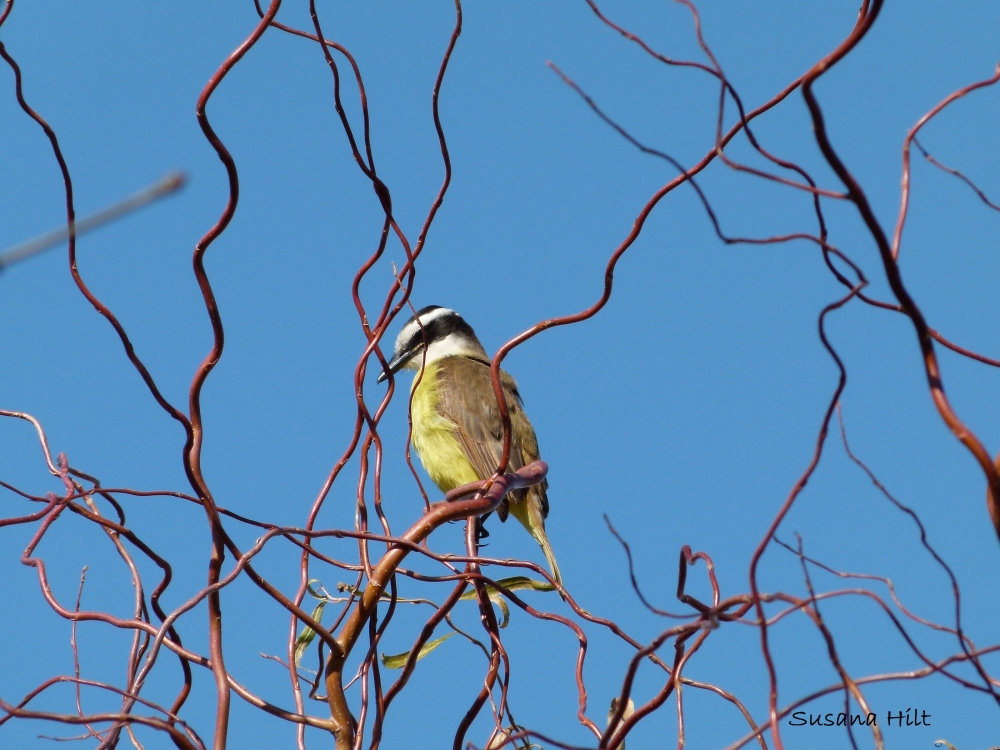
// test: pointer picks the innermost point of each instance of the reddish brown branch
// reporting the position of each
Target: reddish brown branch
(911, 137)
(892, 273)
(487, 497)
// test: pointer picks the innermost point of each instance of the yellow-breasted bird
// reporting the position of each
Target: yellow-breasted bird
(456, 420)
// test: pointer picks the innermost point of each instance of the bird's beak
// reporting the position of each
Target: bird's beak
(395, 364)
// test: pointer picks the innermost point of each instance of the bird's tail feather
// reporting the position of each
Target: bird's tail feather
(529, 513)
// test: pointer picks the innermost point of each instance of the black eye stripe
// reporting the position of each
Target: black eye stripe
(446, 325)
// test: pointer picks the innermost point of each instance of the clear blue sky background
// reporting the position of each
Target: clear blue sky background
(685, 411)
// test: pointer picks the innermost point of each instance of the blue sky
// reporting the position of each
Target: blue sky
(685, 411)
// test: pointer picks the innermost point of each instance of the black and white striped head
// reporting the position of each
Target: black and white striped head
(444, 334)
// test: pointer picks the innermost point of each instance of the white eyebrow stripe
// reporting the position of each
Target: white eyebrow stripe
(412, 328)
(428, 317)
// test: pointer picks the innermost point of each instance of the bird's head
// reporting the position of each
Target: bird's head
(442, 332)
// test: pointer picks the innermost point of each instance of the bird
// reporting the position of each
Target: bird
(457, 430)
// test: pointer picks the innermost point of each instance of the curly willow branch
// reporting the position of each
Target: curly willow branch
(377, 570)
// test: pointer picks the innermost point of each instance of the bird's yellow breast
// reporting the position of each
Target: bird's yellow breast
(434, 435)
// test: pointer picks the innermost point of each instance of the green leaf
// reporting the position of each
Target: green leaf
(515, 583)
(503, 609)
(307, 634)
(398, 661)
(497, 598)
(312, 592)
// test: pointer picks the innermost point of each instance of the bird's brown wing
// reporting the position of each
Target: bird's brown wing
(466, 397)
(528, 444)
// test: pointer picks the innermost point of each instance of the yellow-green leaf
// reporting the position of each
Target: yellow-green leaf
(497, 598)
(312, 592)
(307, 634)
(503, 609)
(398, 661)
(515, 583)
